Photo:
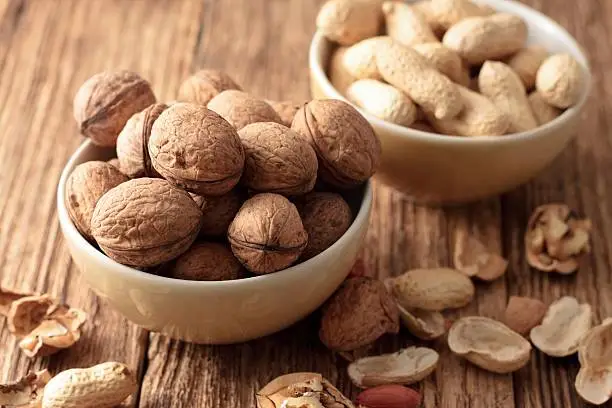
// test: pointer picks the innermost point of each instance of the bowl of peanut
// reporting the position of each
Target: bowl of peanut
(219, 218)
(469, 99)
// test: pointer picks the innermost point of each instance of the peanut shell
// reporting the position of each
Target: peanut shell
(278, 160)
(359, 60)
(542, 111)
(406, 25)
(345, 143)
(194, 148)
(527, 62)
(85, 185)
(105, 102)
(267, 234)
(383, 101)
(560, 80)
(349, 21)
(338, 73)
(145, 222)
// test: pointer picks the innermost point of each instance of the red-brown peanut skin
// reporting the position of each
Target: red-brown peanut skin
(196, 149)
(344, 141)
(105, 102)
(145, 222)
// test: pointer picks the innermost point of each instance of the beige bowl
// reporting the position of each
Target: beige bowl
(447, 169)
(213, 312)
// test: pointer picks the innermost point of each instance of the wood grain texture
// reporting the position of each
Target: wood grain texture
(49, 47)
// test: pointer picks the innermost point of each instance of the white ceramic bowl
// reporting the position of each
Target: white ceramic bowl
(213, 312)
(447, 169)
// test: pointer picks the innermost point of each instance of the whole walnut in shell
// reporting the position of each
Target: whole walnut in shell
(240, 109)
(145, 222)
(277, 159)
(105, 102)
(218, 212)
(286, 110)
(326, 217)
(204, 85)
(207, 261)
(267, 234)
(85, 185)
(358, 314)
(345, 143)
(196, 149)
(133, 141)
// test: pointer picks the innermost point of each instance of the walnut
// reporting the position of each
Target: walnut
(556, 239)
(133, 141)
(196, 149)
(85, 185)
(204, 85)
(267, 234)
(326, 217)
(347, 147)
(240, 109)
(218, 212)
(105, 102)
(145, 222)
(277, 159)
(358, 314)
(301, 390)
(115, 163)
(27, 392)
(286, 110)
(207, 261)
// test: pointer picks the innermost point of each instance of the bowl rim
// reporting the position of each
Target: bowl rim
(536, 18)
(72, 234)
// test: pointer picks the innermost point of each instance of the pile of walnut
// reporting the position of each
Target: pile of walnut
(257, 185)
(451, 67)
(365, 309)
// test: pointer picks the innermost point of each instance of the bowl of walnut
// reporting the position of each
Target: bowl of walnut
(218, 218)
(469, 98)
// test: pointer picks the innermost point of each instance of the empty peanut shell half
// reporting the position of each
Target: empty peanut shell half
(594, 380)
(489, 344)
(564, 325)
(424, 324)
(406, 366)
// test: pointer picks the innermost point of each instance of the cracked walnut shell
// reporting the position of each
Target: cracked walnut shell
(145, 222)
(204, 85)
(194, 148)
(85, 185)
(105, 102)
(345, 143)
(556, 239)
(277, 160)
(267, 234)
(358, 314)
(241, 109)
(326, 217)
(133, 143)
(207, 261)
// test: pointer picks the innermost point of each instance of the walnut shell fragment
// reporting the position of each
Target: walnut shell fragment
(105, 102)
(43, 325)
(489, 344)
(133, 143)
(218, 212)
(241, 109)
(145, 222)
(207, 261)
(7, 297)
(474, 259)
(285, 110)
(565, 324)
(301, 390)
(358, 314)
(326, 217)
(432, 289)
(345, 143)
(277, 160)
(85, 185)
(26, 392)
(407, 366)
(423, 324)
(267, 234)
(594, 380)
(556, 239)
(194, 148)
(204, 85)
(523, 314)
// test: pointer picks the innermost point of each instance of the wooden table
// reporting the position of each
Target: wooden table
(49, 47)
